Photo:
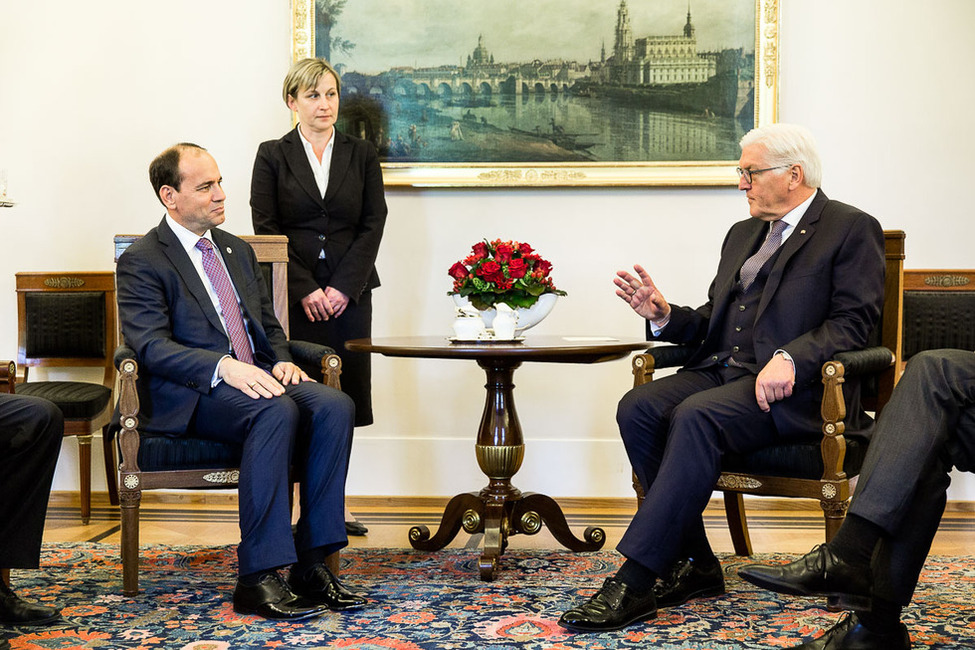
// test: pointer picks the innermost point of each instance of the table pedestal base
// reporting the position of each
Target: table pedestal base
(498, 511)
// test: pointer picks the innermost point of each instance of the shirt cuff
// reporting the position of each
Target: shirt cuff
(214, 380)
(790, 360)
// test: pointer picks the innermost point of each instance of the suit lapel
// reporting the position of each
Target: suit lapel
(339, 167)
(297, 161)
(743, 249)
(173, 249)
(803, 232)
(232, 257)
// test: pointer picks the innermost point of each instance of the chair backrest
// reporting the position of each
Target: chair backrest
(272, 255)
(67, 320)
(874, 394)
(939, 310)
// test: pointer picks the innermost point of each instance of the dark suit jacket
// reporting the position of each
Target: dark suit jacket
(348, 222)
(824, 295)
(169, 320)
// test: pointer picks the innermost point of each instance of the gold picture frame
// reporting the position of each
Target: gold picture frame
(581, 174)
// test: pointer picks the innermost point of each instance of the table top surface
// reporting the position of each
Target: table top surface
(531, 347)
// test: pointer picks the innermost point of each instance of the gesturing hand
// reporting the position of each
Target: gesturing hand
(642, 295)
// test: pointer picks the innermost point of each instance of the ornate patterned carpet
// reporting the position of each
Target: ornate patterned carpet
(435, 601)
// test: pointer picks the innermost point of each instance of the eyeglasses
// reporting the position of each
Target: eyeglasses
(748, 173)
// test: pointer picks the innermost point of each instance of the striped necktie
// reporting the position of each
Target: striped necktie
(751, 267)
(228, 301)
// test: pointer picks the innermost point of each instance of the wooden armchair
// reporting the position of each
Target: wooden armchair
(825, 465)
(150, 462)
(939, 310)
(67, 320)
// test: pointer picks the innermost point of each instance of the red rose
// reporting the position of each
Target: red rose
(458, 271)
(491, 271)
(503, 252)
(544, 266)
(517, 268)
(480, 250)
(525, 249)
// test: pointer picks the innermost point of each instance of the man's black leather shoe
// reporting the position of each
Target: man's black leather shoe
(271, 598)
(689, 579)
(319, 585)
(613, 607)
(849, 634)
(14, 611)
(817, 573)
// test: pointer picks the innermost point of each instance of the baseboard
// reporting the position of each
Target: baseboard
(229, 498)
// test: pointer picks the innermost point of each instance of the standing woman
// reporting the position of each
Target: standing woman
(324, 190)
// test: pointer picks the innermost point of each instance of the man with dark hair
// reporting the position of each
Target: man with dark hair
(800, 280)
(214, 363)
(31, 430)
(872, 564)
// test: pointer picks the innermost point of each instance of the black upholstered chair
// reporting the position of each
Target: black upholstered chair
(824, 465)
(939, 310)
(150, 462)
(67, 320)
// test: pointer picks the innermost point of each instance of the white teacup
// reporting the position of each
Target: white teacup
(468, 328)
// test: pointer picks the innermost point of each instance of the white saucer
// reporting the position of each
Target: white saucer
(487, 338)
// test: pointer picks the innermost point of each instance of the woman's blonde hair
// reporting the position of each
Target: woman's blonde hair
(305, 74)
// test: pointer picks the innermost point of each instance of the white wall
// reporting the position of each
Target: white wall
(90, 92)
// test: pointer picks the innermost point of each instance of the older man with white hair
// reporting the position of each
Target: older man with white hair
(799, 281)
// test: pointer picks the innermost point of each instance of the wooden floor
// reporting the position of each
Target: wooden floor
(199, 518)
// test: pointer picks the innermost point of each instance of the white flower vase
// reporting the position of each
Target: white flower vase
(527, 317)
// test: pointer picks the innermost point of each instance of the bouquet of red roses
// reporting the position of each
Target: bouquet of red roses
(502, 271)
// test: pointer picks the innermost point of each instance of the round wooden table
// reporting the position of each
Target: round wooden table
(500, 509)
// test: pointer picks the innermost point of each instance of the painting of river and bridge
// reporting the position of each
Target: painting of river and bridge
(545, 82)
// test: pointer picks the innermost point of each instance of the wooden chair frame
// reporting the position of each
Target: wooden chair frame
(132, 480)
(83, 429)
(834, 489)
(950, 327)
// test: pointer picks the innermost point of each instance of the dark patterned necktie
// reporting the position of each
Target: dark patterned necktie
(228, 301)
(751, 267)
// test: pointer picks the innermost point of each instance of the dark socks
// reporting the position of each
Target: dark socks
(856, 540)
(637, 577)
(883, 618)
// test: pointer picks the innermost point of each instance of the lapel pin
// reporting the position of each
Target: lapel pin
(801, 232)
(229, 250)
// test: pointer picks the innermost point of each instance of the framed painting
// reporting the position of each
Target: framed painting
(549, 92)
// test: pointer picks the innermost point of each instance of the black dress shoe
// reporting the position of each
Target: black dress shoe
(319, 585)
(14, 611)
(271, 598)
(849, 634)
(690, 579)
(355, 528)
(613, 607)
(817, 573)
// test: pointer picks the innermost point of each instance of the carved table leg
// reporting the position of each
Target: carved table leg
(500, 509)
(535, 509)
(463, 510)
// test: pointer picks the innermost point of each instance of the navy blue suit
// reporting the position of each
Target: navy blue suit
(821, 293)
(31, 430)
(169, 320)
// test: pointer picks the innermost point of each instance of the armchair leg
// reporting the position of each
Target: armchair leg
(332, 562)
(111, 467)
(84, 462)
(130, 545)
(834, 513)
(734, 508)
